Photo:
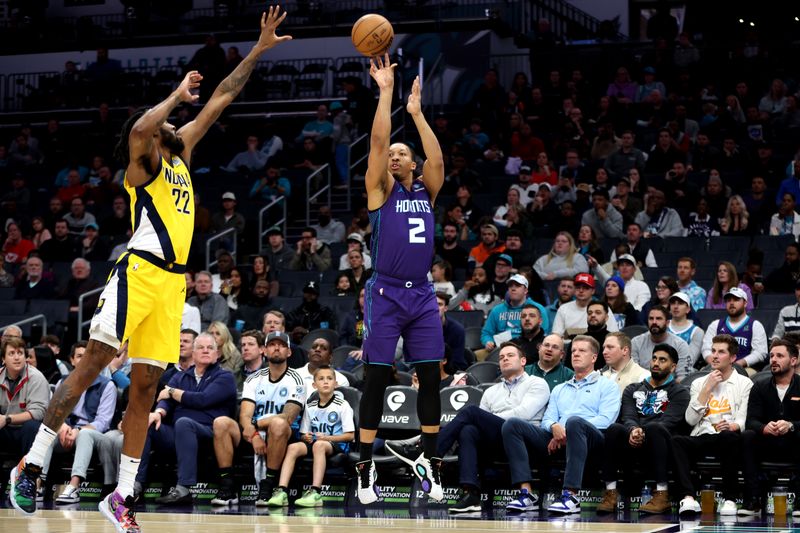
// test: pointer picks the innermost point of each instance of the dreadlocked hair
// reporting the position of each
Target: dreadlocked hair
(122, 150)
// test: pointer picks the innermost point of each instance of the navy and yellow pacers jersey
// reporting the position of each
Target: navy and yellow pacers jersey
(162, 212)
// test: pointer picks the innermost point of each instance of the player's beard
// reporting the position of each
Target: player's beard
(172, 142)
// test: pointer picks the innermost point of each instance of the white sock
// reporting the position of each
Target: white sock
(611, 485)
(661, 486)
(128, 468)
(44, 439)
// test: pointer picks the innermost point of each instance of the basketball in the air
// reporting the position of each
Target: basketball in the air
(372, 35)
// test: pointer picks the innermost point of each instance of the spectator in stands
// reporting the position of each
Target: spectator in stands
(361, 103)
(681, 326)
(271, 185)
(597, 322)
(685, 272)
(701, 223)
(588, 246)
(448, 249)
(512, 200)
(18, 199)
(652, 411)
(618, 304)
(619, 367)
(16, 248)
(24, 398)
(228, 355)
(716, 194)
(562, 260)
(475, 140)
(663, 154)
(318, 129)
(83, 432)
(605, 142)
(716, 429)
(503, 319)
(521, 255)
(329, 230)
(549, 365)
(642, 345)
(774, 102)
(542, 210)
(531, 332)
(622, 89)
(489, 245)
(184, 358)
(704, 156)
(525, 145)
(665, 287)
(637, 247)
(212, 306)
(544, 172)
(351, 328)
(62, 248)
(32, 286)
(312, 254)
(657, 220)
(620, 162)
(571, 317)
(758, 204)
(78, 284)
(479, 428)
(310, 314)
(249, 161)
(637, 292)
(236, 289)
(624, 202)
(194, 398)
(225, 265)
(73, 189)
(772, 418)
(117, 226)
(356, 242)
(253, 356)
(342, 286)
(22, 154)
(686, 54)
(573, 420)
(228, 217)
(357, 273)
(788, 317)
(320, 355)
(202, 216)
(78, 218)
(736, 220)
(565, 292)
(442, 274)
(726, 279)
(40, 232)
(786, 221)
(93, 247)
(748, 332)
(262, 270)
(477, 294)
(473, 215)
(525, 186)
(792, 182)
(274, 320)
(279, 255)
(606, 223)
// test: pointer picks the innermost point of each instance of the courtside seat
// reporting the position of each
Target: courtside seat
(485, 372)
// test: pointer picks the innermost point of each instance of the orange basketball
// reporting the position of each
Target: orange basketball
(372, 35)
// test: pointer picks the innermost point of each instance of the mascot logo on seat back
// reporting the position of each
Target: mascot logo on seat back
(459, 399)
(395, 400)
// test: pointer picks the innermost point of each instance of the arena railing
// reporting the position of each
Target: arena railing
(263, 226)
(218, 237)
(28, 320)
(81, 321)
(316, 179)
(22, 86)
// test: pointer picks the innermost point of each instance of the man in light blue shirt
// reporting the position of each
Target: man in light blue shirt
(578, 412)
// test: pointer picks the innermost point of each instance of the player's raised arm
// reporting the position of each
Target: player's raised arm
(433, 169)
(230, 87)
(377, 177)
(143, 155)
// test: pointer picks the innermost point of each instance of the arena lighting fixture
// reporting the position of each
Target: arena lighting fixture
(752, 24)
(741, 21)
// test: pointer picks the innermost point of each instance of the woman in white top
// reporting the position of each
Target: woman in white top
(563, 260)
(512, 199)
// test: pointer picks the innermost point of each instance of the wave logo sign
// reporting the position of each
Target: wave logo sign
(459, 399)
(395, 400)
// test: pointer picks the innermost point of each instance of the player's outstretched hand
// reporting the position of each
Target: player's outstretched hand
(269, 23)
(414, 106)
(190, 82)
(382, 71)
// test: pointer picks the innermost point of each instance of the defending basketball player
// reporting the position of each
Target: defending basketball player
(143, 299)
(399, 299)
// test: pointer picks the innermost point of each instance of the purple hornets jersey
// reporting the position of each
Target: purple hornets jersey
(743, 335)
(402, 233)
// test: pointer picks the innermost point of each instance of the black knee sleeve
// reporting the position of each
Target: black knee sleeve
(429, 407)
(370, 410)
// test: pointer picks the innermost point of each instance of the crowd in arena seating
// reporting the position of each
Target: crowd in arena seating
(640, 241)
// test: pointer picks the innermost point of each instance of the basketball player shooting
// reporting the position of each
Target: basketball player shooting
(399, 299)
(143, 299)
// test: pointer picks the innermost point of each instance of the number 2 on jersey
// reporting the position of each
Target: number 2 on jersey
(181, 194)
(415, 231)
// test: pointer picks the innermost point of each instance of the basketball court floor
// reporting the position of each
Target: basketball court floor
(84, 518)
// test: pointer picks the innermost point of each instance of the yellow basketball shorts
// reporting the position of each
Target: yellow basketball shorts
(143, 304)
